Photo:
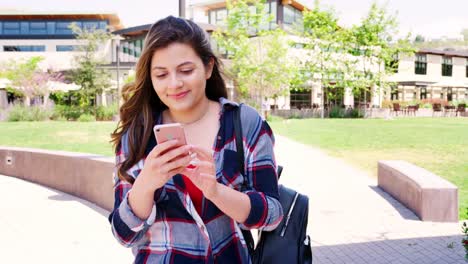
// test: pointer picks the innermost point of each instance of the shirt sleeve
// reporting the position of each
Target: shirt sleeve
(266, 212)
(127, 228)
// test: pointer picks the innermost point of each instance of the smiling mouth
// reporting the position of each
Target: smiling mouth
(179, 95)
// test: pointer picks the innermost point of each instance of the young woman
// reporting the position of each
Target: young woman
(169, 213)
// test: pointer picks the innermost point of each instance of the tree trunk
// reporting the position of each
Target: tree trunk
(27, 100)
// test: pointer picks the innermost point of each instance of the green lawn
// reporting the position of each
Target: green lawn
(88, 137)
(437, 144)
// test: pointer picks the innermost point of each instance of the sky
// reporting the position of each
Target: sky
(430, 18)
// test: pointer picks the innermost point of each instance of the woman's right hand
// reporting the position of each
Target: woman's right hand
(164, 161)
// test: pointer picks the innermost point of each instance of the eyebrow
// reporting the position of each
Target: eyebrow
(163, 68)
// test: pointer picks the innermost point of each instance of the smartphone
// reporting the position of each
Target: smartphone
(168, 132)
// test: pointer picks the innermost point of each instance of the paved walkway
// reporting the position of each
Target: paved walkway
(353, 221)
(350, 220)
(42, 225)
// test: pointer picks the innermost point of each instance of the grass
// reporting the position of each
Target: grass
(437, 144)
(87, 137)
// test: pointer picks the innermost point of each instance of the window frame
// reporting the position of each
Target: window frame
(447, 66)
(420, 64)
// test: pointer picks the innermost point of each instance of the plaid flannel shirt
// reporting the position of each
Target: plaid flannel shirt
(174, 232)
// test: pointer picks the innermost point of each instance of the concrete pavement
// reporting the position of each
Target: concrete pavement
(350, 219)
(42, 225)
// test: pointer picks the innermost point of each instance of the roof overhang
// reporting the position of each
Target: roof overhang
(114, 20)
(215, 4)
(415, 83)
(143, 29)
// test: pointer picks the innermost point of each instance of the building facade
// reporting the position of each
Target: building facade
(431, 74)
(26, 35)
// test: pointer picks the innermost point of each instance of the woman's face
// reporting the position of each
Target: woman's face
(179, 76)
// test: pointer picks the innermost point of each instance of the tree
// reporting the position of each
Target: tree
(258, 55)
(373, 38)
(325, 60)
(464, 32)
(419, 39)
(88, 74)
(29, 80)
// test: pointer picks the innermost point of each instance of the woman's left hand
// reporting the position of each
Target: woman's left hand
(204, 174)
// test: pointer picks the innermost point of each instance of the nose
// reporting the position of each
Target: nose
(175, 82)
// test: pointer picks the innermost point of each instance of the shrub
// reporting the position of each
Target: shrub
(28, 113)
(432, 101)
(66, 111)
(355, 113)
(336, 112)
(273, 118)
(86, 118)
(387, 104)
(106, 113)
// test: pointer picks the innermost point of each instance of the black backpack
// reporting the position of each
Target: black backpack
(288, 243)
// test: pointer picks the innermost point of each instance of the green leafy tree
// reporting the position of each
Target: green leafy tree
(88, 74)
(258, 55)
(28, 80)
(325, 61)
(378, 52)
(419, 39)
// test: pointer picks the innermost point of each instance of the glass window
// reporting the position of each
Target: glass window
(103, 25)
(62, 48)
(393, 64)
(449, 94)
(61, 28)
(11, 28)
(394, 93)
(37, 28)
(273, 11)
(466, 68)
(90, 25)
(300, 99)
(212, 17)
(420, 64)
(24, 28)
(423, 92)
(288, 15)
(446, 66)
(221, 15)
(31, 48)
(50, 28)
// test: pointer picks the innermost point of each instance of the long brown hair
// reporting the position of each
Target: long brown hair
(140, 99)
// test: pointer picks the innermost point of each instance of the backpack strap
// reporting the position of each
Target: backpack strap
(240, 156)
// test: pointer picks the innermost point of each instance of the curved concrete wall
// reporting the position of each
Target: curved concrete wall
(87, 176)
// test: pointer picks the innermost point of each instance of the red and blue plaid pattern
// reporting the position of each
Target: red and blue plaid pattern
(175, 232)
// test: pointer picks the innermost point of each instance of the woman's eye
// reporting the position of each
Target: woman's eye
(187, 71)
(160, 75)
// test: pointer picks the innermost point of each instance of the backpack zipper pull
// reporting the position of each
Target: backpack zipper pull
(283, 230)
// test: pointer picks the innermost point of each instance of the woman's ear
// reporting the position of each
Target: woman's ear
(209, 68)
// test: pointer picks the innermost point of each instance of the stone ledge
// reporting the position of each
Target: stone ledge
(88, 176)
(429, 196)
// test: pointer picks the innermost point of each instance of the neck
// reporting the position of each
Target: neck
(192, 116)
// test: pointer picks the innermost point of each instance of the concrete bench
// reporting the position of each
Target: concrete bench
(429, 196)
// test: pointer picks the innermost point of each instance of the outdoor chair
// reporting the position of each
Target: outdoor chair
(449, 109)
(461, 108)
(436, 108)
(396, 108)
(413, 109)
